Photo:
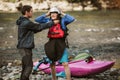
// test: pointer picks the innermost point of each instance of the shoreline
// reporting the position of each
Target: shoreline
(12, 69)
(12, 7)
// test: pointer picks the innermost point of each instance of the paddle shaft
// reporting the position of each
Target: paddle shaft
(59, 63)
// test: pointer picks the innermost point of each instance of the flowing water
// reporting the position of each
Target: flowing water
(96, 31)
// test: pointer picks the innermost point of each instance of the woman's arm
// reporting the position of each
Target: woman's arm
(68, 19)
(42, 19)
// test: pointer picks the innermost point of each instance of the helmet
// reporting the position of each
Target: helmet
(54, 9)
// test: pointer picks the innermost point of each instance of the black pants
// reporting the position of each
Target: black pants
(27, 63)
(54, 48)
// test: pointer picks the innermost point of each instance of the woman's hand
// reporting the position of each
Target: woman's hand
(47, 14)
(61, 11)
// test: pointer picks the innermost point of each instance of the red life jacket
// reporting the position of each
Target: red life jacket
(56, 32)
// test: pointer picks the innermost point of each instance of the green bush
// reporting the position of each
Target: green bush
(9, 1)
(12, 1)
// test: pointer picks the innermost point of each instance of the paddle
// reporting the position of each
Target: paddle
(45, 60)
(36, 67)
(84, 56)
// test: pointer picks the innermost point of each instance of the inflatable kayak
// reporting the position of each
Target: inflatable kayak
(80, 67)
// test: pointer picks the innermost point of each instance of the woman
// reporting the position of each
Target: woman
(56, 47)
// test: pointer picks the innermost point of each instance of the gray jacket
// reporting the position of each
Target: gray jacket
(26, 30)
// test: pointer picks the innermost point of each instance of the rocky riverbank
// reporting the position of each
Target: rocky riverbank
(11, 68)
(45, 5)
(12, 71)
(66, 6)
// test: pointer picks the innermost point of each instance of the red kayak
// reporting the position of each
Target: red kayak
(81, 67)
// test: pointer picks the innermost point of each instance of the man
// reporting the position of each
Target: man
(26, 30)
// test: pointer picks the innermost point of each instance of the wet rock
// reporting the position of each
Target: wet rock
(7, 6)
(4, 69)
(118, 77)
(114, 72)
(0, 73)
(1, 28)
(38, 76)
(17, 62)
(9, 65)
(13, 75)
(90, 79)
(1, 78)
(79, 8)
(41, 73)
(10, 36)
(59, 78)
(43, 6)
(90, 8)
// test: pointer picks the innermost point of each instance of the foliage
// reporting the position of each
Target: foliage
(84, 3)
(76, 1)
(10, 1)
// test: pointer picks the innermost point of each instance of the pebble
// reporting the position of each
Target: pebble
(1, 28)
(9, 65)
(17, 62)
(59, 78)
(118, 77)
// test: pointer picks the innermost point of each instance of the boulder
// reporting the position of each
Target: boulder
(79, 8)
(90, 8)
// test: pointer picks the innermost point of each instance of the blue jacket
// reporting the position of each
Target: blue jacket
(64, 21)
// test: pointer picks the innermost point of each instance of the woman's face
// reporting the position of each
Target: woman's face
(54, 15)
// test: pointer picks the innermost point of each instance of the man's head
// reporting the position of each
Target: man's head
(54, 13)
(27, 11)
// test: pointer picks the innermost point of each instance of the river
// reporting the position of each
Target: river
(96, 31)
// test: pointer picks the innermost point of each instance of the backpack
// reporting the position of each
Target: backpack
(56, 32)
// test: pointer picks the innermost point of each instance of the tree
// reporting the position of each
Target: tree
(96, 3)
